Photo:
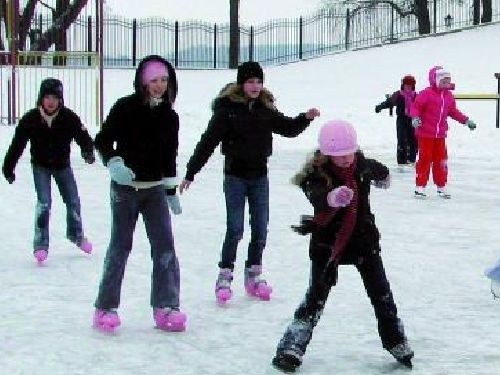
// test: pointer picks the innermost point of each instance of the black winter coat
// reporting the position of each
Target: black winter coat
(398, 100)
(365, 237)
(245, 130)
(145, 137)
(50, 146)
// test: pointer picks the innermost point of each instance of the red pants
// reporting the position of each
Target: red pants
(432, 152)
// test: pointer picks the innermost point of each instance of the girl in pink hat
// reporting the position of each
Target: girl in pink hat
(138, 144)
(337, 181)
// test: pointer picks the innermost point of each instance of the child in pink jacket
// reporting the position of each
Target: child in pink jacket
(431, 108)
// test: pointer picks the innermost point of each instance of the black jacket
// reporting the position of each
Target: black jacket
(398, 100)
(365, 237)
(50, 146)
(145, 137)
(245, 130)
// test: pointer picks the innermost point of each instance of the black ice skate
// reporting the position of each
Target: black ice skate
(287, 361)
(403, 354)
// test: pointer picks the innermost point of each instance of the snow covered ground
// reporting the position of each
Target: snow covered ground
(434, 251)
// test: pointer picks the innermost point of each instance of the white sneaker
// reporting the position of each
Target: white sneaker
(441, 192)
(420, 192)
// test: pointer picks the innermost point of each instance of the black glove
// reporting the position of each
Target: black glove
(330, 273)
(306, 226)
(378, 108)
(88, 156)
(9, 175)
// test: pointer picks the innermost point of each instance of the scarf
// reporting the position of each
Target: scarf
(409, 97)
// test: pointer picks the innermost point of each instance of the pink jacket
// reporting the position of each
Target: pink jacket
(433, 105)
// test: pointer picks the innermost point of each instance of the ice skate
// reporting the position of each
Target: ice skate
(442, 193)
(223, 292)
(85, 246)
(170, 319)
(40, 255)
(420, 192)
(403, 354)
(106, 320)
(287, 360)
(255, 285)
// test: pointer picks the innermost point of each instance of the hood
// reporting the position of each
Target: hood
(233, 93)
(432, 78)
(171, 92)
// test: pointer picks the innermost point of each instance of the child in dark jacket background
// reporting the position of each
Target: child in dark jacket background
(50, 128)
(244, 120)
(406, 141)
(138, 143)
(337, 183)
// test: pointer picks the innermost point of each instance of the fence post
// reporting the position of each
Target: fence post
(250, 46)
(347, 29)
(215, 45)
(176, 45)
(89, 39)
(435, 16)
(10, 121)
(497, 76)
(300, 38)
(134, 42)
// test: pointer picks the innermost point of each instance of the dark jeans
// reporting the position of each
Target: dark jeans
(407, 142)
(390, 329)
(126, 205)
(69, 192)
(236, 191)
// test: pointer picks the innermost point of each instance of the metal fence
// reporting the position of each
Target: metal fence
(202, 45)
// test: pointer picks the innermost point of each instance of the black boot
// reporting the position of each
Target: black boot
(403, 354)
(287, 361)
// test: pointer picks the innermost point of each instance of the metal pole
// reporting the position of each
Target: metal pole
(134, 42)
(215, 45)
(497, 76)
(101, 60)
(14, 39)
(300, 38)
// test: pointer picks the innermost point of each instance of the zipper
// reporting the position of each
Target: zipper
(440, 114)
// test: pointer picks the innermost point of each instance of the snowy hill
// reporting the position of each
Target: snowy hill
(435, 251)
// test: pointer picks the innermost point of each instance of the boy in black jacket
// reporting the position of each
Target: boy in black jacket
(337, 183)
(50, 128)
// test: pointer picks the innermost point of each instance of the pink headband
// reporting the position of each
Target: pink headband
(153, 69)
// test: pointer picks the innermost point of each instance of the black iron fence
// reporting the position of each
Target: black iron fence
(201, 45)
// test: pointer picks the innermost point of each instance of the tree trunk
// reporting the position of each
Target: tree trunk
(422, 13)
(60, 42)
(25, 23)
(234, 34)
(476, 12)
(59, 25)
(3, 18)
(487, 11)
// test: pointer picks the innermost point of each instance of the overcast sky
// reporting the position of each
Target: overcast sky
(251, 11)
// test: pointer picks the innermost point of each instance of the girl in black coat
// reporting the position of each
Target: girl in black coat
(244, 121)
(138, 143)
(337, 183)
(51, 128)
(406, 141)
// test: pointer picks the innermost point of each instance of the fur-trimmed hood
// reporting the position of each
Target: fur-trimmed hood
(232, 93)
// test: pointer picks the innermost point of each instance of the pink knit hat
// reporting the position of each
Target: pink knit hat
(337, 138)
(153, 69)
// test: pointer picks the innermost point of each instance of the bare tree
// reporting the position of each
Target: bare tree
(65, 14)
(234, 33)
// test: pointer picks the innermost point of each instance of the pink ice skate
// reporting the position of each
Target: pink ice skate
(106, 320)
(171, 320)
(85, 246)
(256, 286)
(223, 292)
(41, 255)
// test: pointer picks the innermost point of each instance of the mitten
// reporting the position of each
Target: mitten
(416, 122)
(119, 172)
(340, 196)
(88, 156)
(174, 204)
(9, 176)
(471, 124)
(306, 226)
(378, 108)
(383, 184)
(330, 273)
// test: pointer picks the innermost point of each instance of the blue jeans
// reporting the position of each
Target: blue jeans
(126, 205)
(236, 191)
(69, 192)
